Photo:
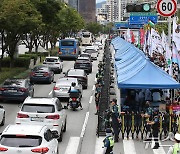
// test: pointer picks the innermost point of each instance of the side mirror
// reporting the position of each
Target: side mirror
(55, 134)
(54, 81)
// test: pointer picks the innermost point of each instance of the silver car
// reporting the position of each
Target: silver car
(54, 63)
(61, 89)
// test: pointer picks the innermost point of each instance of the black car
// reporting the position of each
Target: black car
(41, 74)
(83, 63)
(16, 89)
(80, 74)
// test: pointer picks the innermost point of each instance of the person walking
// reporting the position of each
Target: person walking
(176, 148)
(108, 142)
(115, 119)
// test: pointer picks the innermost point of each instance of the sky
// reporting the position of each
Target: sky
(98, 1)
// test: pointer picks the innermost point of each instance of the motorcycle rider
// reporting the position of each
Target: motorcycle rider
(73, 89)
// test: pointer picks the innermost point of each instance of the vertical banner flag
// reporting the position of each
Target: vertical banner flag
(175, 55)
(142, 35)
(128, 35)
(176, 33)
(156, 42)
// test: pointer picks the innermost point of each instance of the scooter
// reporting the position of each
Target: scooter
(74, 100)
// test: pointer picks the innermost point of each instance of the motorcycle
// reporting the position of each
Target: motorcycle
(74, 100)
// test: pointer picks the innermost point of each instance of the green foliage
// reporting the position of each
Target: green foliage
(54, 52)
(11, 72)
(18, 62)
(31, 56)
(162, 26)
(94, 27)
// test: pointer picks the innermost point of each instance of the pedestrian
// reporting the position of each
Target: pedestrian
(108, 142)
(127, 122)
(155, 128)
(176, 148)
(97, 96)
(115, 119)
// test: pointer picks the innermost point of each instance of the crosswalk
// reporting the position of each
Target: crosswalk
(130, 146)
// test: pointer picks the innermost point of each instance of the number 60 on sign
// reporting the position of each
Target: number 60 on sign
(166, 7)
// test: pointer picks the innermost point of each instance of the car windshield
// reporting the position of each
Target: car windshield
(67, 43)
(51, 60)
(38, 108)
(90, 51)
(40, 68)
(86, 35)
(12, 82)
(20, 140)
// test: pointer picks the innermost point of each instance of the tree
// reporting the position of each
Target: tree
(18, 17)
(70, 21)
(94, 27)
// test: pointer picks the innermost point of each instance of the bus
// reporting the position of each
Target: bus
(69, 49)
(86, 38)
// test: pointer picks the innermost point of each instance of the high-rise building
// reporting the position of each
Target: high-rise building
(87, 8)
(111, 9)
(73, 3)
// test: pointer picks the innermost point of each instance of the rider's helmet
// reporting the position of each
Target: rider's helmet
(73, 84)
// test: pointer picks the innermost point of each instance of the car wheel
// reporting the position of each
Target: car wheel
(60, 137)
(3, 120)
(64, 129)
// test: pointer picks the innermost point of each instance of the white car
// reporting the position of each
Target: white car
(93, 53)
(61, 89)
(25, 139)
(44, 111)
(54, 63)
(96, 48)
(2, 115)
(99, 44)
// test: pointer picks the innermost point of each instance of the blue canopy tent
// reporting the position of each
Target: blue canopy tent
(135, 71)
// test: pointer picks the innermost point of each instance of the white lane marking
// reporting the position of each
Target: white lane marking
(73, 144)
(129, 147)
(160, 150)
(93, 88)
(84, 125)
(50, 92)
(99, 145)
(90, 100)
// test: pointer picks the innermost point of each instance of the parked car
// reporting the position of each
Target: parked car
(80, 74)
(41, 74)
(16, 89)
(54, 63)
(83, 63)
(44, 111)
(93, 53)
(27, 139)
(61, 89)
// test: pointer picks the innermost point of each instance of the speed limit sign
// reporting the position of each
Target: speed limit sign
(166, 7)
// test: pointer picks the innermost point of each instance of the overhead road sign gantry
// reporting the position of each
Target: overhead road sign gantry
(166, 8)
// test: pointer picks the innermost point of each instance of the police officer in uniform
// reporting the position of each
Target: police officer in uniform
(176, 148)
(155, 128)
(115, 119)
(108, 142)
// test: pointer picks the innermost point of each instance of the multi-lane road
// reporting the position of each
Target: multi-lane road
(82, 124)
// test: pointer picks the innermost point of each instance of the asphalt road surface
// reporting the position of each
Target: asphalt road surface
(82, 124)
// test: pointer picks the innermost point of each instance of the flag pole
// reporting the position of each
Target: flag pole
(169, 30)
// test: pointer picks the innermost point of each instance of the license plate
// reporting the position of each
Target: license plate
(37, 119)
(12, 91)
(73, 103)
(39, 75)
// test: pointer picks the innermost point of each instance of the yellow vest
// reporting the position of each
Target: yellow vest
(111, 140)
(176, 148)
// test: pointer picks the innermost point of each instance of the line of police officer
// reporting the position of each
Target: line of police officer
(148, 124)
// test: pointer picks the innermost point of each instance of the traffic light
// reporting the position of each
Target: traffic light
(145, 7)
